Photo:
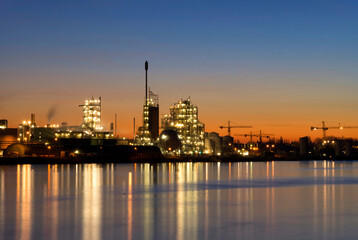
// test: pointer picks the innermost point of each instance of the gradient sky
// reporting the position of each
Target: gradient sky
(278, 65)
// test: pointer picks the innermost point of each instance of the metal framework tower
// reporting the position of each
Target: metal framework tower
(184, 119)
(92, 114)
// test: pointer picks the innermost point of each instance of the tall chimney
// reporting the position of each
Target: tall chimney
(146, 81)
(115, 124)
(133, 129)
(33, 119)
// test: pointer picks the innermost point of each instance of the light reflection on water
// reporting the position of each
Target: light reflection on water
(267, 200)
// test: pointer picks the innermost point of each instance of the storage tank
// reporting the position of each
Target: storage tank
(169, 140)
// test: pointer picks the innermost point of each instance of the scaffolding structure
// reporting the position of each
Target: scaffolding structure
(92, 114)
(183, 118)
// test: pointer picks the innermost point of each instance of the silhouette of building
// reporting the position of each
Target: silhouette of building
(3, 123)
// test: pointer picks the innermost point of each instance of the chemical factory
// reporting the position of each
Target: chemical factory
(180, 133)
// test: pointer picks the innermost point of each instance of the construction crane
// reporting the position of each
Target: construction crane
(259, 135)
(325, 128)
(232, 126)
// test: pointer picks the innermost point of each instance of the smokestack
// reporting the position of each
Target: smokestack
(32, 119)
(133, 129)
(115, 124)
(146, 81)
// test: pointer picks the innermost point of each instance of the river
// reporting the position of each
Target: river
(260, 200)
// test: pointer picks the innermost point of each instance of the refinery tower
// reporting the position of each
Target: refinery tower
(149, 132)
(92, 114)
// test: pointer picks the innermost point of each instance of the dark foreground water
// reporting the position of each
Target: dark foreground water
(276, 200)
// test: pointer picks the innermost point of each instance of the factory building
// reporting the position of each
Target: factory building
(3, 123)
(149, 132)
(183, 118)
(92, 114)
(25, 130)
(213, 143)
(216, 145)
(43, 134)
(8, 136)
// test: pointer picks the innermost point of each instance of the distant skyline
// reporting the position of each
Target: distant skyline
(280, 66)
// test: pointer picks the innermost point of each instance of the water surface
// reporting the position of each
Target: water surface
(273, 200)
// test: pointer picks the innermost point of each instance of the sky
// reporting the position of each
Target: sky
(280, 66)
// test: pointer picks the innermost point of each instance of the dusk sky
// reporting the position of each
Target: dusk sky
(280, 66)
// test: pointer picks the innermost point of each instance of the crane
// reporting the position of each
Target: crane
(259, 135)
(325, 128)
(232, 126)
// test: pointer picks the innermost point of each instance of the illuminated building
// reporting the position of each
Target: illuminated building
(3, 123)
(213, 143)
(92, 114)
(149, 132)
(25, 129)
(183, 118)
(82, 135)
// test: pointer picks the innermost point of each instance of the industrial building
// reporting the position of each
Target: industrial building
(25, 130)
(148, 133)
(92, 114)
(216, 145)
(184, 119)
(43, 134)
(3, 123)
(8, 136)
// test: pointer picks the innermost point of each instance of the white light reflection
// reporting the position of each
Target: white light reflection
(92, 201)
(130, 207)
(24, 201)
(148, 204)
(218, 170)
(52, 193)
(179, 203)
(2, 200)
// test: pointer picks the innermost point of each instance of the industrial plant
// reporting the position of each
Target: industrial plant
(183, 119)
(179, 133)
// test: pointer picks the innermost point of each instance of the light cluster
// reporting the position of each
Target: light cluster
(183, 118)
(92, 114)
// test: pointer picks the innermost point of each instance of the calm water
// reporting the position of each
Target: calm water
(278, 200)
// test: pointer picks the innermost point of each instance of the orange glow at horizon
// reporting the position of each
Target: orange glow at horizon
(286, 109)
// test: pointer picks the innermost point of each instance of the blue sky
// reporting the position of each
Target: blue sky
(256, 48)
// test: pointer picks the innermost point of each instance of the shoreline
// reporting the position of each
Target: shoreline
(99, 160)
